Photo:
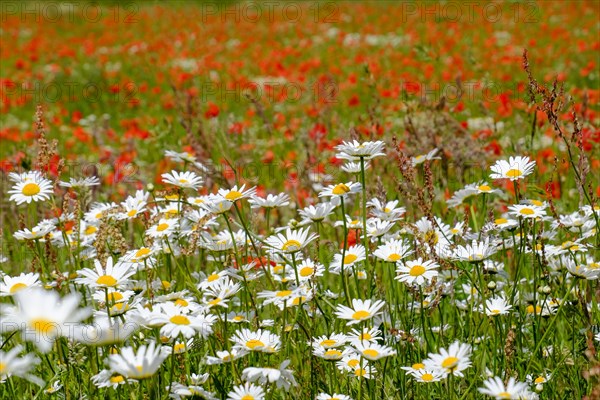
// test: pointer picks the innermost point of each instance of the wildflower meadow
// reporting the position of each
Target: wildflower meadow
(248, 200)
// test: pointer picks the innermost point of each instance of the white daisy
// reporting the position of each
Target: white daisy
(361, 310)
(32, 187)
(417, 271)
(494, 387)
(514, 169)
(140, 364)
(185, 180)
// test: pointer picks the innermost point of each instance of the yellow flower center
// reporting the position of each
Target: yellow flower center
(233, 195)
(360, 372)
(333, 353)
(90, 230)
(340, 189)
(142, 252)
(362, 314)
(43, 326)
(298, 300)
(247, 397)
(181, 302)
(514, 173)
(527, 211)
(417, 270)
(307, 271)
(180, 320)
(162, 227)
(370, 353)
(165, 284)
(328, 342)
(254, 343)
(131, 213)
(353, 363)
(31, 189)
(179, 348)
(238, 318)
(116, 379)
(539, 379)
(291, 245)
(450, 363)
(394, 257)
(504, 395)
(106, 280)
(495, 312)
(365, 336)
(350, 258)
(501, 221)
(427, 377)
(115, 296)
(484, 188)
(213, 277)
(215, 301)
(2, 368)
(16, 287)
(531, 310)
(183, 181)
(418, 366)
(172, 197)
(283, 293)
(431, 236)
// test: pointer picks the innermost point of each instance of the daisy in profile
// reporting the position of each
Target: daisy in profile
(526, 211)
(226, 356)
(355, 151)
(32, 186)
(388, 211)
(175, 322)
(79, 183)
(42, 316)
(291, 241)
(494, 387)
(236, 193)
(105, 277)
(13, 365)
(340, 190)
(107, 378)
(476, 251)
(417, 272)
(361, 310)
(317, 213)
(420, 159)
(393, 251)
(373, 351)
(453, 360)
(247, 391)
(281, 377)
(514, 169)
(271, 201)
(330, 341)
(363, 336)
(184, 180)
(496, 306)
(425, 375)
(9, 286)
(355, 167)
(216, 204)
(140, 364)
(261, 340)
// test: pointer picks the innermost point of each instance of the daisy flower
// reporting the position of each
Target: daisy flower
(175, 323)
(216, 204)
(514, 169)
(261, 340)
(328, 342)
(453, 361)
(355, 167)
(236, 193)
(526, 211)
(361, 310)
(43, 316)
(496, 306)
(184, 180)
(365, 335)
(388, 211)
(247, 391)
(81, 182)
(291, 241)
(476, 251)
(417, 272)
(32, 187)
(427, 375)
(393, 251)
(317, 213)
(107, 378)
(11, 285)
(340, 190)
(335, 396)
(420, 159)
(353, 255)
(330, 354)
(104, 277)
(355, 151)
(165, 227)
(226, 356)
(137, 365)
(494, 387)
(12, 365)
(281, 377)
(271, 201)
(373, 351)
